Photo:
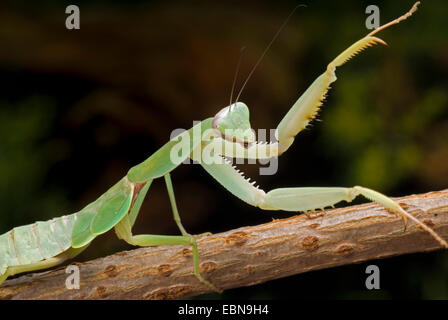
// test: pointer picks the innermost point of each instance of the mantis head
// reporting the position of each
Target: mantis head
(233, 124)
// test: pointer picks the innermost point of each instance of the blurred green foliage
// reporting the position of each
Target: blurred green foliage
(26, 157)
(79, 108)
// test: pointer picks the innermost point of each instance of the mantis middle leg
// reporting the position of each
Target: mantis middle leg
(124, 231)
(169, 187)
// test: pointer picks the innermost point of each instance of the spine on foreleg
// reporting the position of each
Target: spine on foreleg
(308, 105)
(303, 111)
(353, 50)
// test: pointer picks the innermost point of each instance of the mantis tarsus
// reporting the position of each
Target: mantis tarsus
(45, 244)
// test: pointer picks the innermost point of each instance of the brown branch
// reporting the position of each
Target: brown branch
(248, 255)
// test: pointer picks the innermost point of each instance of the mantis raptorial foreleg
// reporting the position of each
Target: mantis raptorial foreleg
(300, 114)
(306, 107)
(297, 118)
(309, 199)
(300, 199)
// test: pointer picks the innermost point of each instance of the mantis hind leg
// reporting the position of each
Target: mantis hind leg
(44, 264)
(4, 276)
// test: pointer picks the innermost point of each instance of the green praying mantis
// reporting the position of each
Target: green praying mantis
(227, 135)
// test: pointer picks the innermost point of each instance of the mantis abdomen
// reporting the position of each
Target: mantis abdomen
(36, 242)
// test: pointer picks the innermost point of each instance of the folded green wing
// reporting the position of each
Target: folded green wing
(103, 214)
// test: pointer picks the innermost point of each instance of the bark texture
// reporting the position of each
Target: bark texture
(248, 255)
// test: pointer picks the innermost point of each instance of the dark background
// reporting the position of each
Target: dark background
(79, 108)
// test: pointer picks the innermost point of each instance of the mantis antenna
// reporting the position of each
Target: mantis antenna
(267, 48)
(234, 77)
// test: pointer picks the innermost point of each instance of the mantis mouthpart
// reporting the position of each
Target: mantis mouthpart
(45, 244)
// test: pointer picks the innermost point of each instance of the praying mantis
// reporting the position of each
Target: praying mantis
(226, 135)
